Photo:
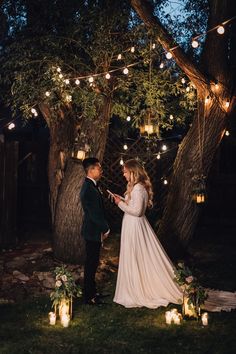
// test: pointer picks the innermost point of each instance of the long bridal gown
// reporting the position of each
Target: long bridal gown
(146, 274)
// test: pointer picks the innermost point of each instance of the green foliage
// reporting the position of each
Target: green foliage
(195, 293)
(65, 287)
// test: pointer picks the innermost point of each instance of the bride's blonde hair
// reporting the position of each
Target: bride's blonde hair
(138, 174)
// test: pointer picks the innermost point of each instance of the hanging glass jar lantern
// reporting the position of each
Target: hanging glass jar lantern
(199, 192)
(148, 125)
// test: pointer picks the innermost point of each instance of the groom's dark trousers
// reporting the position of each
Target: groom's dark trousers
(94, 224)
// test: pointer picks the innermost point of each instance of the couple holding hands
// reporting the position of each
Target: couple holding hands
(145, 273)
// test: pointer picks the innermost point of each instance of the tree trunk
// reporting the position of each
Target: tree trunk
(197, 150)
(68, 242)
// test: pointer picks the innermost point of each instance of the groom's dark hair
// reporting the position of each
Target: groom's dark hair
(89, 162)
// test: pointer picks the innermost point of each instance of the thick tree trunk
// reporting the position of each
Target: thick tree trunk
(197, 150)
(68, 242)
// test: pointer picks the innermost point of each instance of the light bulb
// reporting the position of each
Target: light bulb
(153, 46)
(132, 49)
(11, 126)
(47, 93)
(107, 76)
(121, 162)
(58, 69)
(169, 55)
(227, 133)
(183, 80)
(77, 82)
(187, 88)
(125, 147)
(227, 104)
(171, 116)
(125, 71)
(221, 30)
(161, 66)
(128, 118)
(68, 98)
(35, 113)
(119, 57)
(165, 181)
(158, 156)
(91, 79)
(164, 147)
(195, 43)
(67, 81)
(60, 76)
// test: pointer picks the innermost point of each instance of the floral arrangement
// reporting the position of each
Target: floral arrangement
(192, 290)
(65, 287)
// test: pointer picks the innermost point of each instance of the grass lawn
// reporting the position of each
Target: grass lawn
(24, 327)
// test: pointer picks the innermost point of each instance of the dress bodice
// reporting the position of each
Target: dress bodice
(137, 204)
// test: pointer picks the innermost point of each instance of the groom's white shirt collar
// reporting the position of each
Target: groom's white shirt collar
(95, 182)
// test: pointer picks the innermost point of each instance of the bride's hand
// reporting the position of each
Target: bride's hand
(117, 199)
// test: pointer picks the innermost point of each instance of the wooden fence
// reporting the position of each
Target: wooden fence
(8, 192)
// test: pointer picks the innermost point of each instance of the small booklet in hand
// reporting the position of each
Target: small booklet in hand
(113, 195)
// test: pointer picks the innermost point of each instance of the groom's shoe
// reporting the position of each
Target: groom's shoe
(95, 301)
(100, 295)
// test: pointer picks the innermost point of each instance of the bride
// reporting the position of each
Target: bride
(146, 274)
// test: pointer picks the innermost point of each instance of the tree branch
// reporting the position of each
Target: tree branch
(145, 12)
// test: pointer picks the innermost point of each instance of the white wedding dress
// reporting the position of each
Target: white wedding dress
(146, 274)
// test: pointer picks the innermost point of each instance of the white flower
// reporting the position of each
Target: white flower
(58, 283)
(64, 278)
(189, 279)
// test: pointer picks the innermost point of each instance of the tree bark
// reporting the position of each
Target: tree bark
(198, 148)
(68, 241)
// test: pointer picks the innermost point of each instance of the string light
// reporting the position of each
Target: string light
(11, 126)
(195, 43)
(91, 79)
(125, 147)
(227, 133)
(128, 119)
(183, 80)
(158, 156)
(47, 93)
(68, 98)
(164, 147)
(77, 82)
(119, 56)
(171, 117)
(169, 55)
(165, 181)
(58, 69)
(121, 162)
(108, 76)
(126, 71)
(35, 113)
(67, 81)
(187, 88)
(161, 66)
(61, 76)
(220, 30)
(153, 46)
(227, 104)
(132, 49)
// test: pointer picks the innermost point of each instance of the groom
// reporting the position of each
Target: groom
(94, 228)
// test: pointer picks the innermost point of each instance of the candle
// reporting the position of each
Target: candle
(168, 316)
(177, 318)
(65, 320)
(52, 318)
(205, 319)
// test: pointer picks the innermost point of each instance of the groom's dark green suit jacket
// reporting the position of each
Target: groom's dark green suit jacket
(94, 222)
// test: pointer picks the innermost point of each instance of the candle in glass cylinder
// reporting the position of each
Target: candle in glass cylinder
(65, 320)
(168, 316)
(52, 318)
(205, 319)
